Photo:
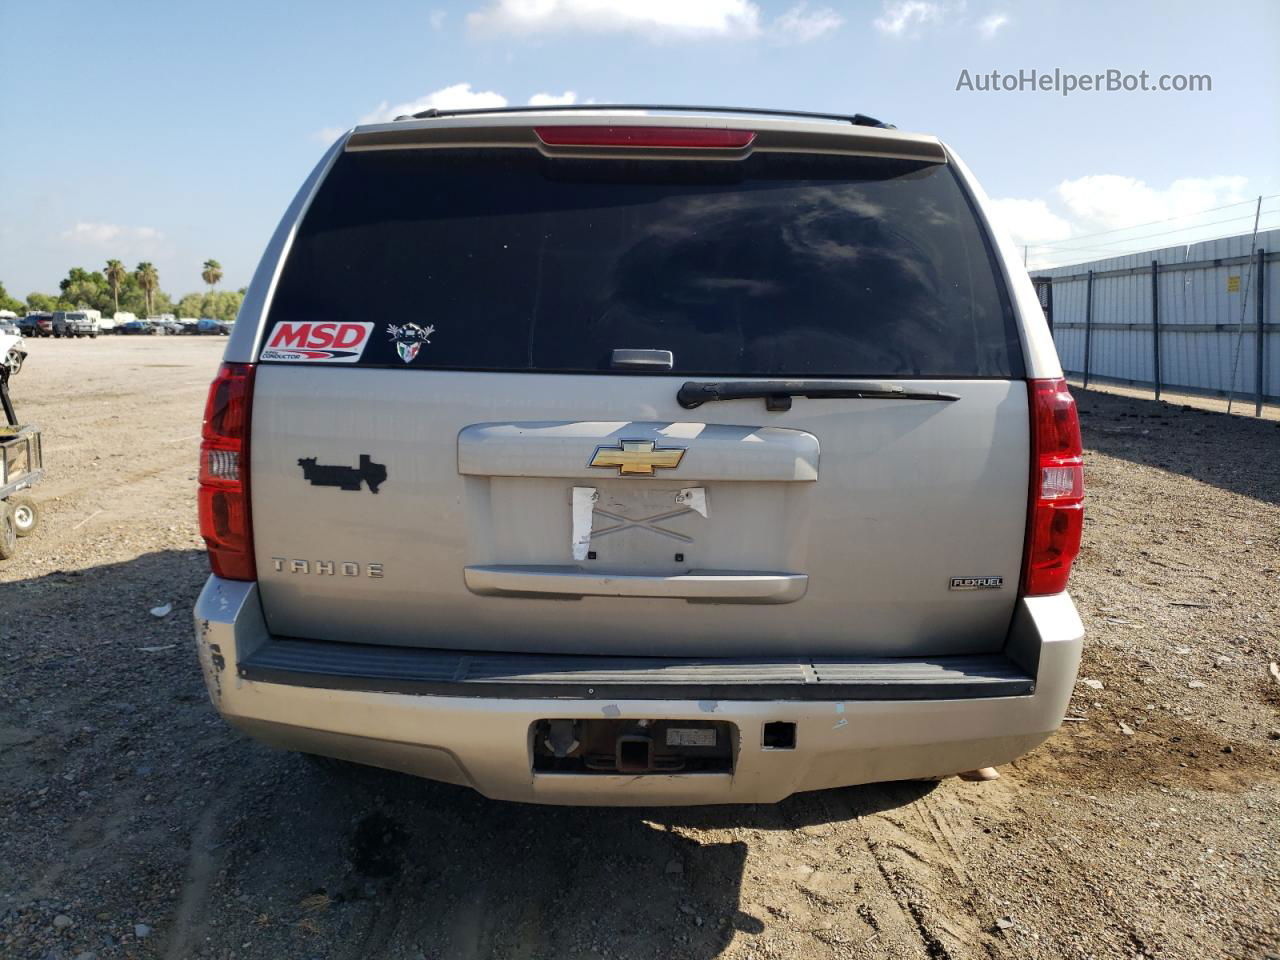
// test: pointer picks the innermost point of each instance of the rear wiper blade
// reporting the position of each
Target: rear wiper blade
(777, 394)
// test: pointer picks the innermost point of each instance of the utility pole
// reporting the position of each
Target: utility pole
(1244, 303)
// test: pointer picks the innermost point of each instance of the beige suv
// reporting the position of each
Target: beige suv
(641, 456)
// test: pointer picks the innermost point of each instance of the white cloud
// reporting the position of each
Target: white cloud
(800, 24)
(899, 16)
(679, 18)
(657, 19)
(1107, 201)
(1103, 215)
(91, 234)
(989, 26)
(553, 99)
(460, 96)
(437, 18)
(1029, 221)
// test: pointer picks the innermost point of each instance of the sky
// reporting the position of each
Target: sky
(175, 132)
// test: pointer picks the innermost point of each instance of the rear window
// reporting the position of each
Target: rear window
(780, 264)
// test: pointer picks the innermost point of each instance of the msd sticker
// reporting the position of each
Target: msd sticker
(317, 342)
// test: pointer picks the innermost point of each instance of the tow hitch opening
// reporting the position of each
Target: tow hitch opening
(633, 746)
(779, 735)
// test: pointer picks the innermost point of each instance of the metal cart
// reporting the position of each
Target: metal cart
(21, 467)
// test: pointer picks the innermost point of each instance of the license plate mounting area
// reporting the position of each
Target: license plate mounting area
(615, 745)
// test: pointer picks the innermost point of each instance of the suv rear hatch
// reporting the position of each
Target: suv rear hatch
(467, 423)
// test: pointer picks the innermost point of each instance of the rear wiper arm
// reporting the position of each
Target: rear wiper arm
(777, 394)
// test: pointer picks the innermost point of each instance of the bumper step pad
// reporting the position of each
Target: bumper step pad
(458, 673)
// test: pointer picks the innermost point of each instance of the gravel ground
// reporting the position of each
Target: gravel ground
(133, 823)
(1242, 404)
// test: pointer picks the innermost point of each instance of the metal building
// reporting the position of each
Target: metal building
(1198, 318)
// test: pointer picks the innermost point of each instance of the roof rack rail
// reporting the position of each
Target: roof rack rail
(857, 119)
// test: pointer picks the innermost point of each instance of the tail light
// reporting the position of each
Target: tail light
(1057, 489)
(224, 473)
(695, 138)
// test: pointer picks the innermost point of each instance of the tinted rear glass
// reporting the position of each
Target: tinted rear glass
(782, 264)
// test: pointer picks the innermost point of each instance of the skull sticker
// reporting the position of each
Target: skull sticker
(409, 338)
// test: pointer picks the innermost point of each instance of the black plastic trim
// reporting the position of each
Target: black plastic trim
(459, 673)
(1014, 330)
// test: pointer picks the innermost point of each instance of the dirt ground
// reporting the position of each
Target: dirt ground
(134, 823)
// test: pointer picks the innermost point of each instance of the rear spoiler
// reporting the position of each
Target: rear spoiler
(773, 133)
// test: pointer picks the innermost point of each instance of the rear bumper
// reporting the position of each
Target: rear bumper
(482, 739)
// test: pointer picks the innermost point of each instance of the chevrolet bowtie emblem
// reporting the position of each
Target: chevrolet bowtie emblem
(637, 458)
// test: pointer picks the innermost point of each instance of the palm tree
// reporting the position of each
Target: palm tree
(212, 272)
(116, 275)
(148, 279)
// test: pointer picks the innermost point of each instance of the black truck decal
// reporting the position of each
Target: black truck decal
(342, 477)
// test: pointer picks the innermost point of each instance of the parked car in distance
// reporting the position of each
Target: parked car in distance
(37, 325)
(135, 326)
(164, 323)
(9, 325)
(757, 472)
(188, 325)
(212, 326)
(75, 323)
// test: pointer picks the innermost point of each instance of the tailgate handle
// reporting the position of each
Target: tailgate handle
(635, 359)
(706, 586)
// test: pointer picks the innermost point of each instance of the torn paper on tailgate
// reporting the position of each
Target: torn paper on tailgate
(584, 504)
(693, 498)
